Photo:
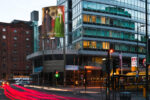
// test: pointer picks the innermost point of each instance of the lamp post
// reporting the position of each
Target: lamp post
(138, 43)
(43, 37)
(110, 51)
(64, 56)
(138, 54)
(146, 28)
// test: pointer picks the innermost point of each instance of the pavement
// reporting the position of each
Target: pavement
(90, 93)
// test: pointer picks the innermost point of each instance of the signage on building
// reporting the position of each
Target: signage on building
(133, 61)
(53, 21)
(38, 69)
(72, 67)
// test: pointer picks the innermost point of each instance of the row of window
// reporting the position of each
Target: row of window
(15, 31)
(76, 9)
(76, 22)
(108, 21)
(15, 38)
(114, 10)
(107, 33)
(107, 45)
(138, 3)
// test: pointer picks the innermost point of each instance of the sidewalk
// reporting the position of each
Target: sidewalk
(96, 93)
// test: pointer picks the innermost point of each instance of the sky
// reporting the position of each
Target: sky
(21, 9)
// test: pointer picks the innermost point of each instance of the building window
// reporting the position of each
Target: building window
(86, 44)
(93, 44)
(14, 51)
(4, 36)
(15, 38)
(27, 32)
(3, 44)
(27, 39)
(106, 45)
(3, 29)
(103, 20)
(85, 18)
(93, 19)
(15, 31)
(27, 46)
(15, 45)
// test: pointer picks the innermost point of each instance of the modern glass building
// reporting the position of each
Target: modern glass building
(98, 25)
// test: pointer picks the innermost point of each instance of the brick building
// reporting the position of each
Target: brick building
(16, 43)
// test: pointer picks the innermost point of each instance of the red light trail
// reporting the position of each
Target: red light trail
(29, 94)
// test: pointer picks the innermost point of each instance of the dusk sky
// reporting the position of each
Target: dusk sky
(21, 9)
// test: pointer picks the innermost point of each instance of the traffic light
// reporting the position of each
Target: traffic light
(111, 51)
(56, 74)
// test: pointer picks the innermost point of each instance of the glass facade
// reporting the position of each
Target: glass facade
(96, 22)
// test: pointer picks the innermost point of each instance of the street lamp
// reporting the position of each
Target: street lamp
(137, 71)
(138, 27)
(109, 52)
(146, 28)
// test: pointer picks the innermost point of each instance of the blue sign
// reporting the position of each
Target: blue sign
(38, 69)
(72, 67)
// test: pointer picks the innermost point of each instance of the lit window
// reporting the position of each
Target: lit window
(27, 39)
(103, 20)
(86, 44)
(15, 38)
(93, 19)
(106, 45)
(4, 29)
(93, 44)
(85, 18)
(4, 36)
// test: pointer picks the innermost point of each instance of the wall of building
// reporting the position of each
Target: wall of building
(16, 42)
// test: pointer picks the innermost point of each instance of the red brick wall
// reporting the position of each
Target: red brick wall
(13, 58)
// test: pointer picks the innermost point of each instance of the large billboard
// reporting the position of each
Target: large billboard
(53, 21)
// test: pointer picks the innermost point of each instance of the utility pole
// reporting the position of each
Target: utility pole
(146, 28)
(64, 55)
(110, 51)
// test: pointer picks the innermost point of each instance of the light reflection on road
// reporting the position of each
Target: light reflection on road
(28, 94)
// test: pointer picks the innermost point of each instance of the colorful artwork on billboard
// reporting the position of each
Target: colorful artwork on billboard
(53, 21)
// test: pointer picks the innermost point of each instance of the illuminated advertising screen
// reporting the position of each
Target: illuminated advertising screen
(53, 21)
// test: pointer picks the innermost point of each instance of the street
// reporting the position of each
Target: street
(21, 93)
